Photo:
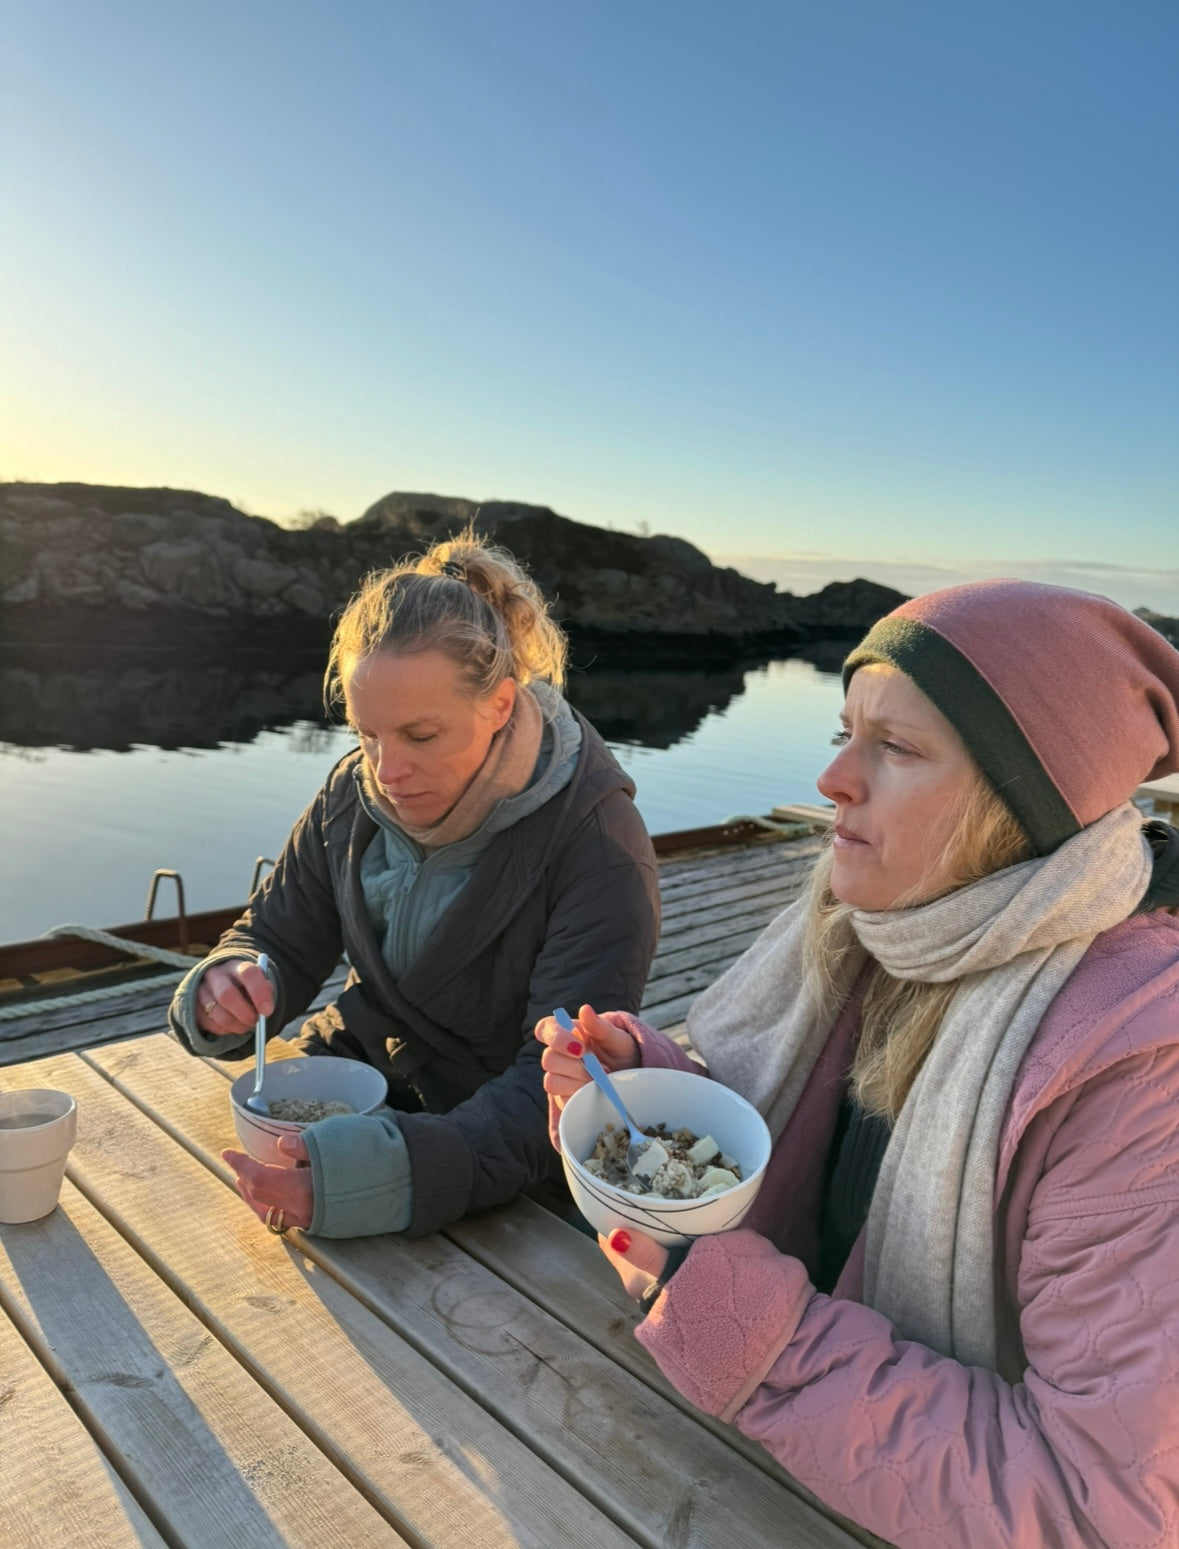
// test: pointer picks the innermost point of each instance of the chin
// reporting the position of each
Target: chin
(856, 893)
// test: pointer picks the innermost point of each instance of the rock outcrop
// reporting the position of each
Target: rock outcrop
(1167, 627)
(603, 584)
(161, 551)
(178, 561)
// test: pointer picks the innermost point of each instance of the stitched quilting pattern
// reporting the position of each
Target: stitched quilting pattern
(1084, 1451)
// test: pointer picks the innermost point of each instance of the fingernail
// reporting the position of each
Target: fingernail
(619, 1240)
(573, 1047)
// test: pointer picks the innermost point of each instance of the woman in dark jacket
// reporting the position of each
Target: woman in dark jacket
(480, 860)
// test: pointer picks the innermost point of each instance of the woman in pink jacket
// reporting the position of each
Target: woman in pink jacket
(954, 1310)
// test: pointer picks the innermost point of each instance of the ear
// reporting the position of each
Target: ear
(502, 703)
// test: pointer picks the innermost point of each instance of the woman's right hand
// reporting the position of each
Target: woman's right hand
(564, 1072)
(230, 997)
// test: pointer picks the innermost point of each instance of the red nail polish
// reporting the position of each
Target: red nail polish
(573, 1047)
(619, 1240)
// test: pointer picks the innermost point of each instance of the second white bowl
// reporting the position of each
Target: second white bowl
(680, 1100)
(309, 1076)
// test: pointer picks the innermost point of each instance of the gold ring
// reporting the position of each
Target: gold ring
(276, 1219)
(210, 1007)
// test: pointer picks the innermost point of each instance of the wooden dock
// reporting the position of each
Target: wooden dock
(151, 1317)
(717, 898)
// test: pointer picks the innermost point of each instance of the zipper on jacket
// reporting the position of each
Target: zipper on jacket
(409, 908)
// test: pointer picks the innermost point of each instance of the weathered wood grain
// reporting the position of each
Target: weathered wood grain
(195, 1434)
(432, 1460)
(58, 1488)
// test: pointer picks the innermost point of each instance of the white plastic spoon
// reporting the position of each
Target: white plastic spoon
(256, 1103)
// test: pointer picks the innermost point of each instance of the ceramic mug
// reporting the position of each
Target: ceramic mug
(37, 1128)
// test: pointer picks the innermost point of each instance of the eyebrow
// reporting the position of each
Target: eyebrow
(422, 721)
(879, 722)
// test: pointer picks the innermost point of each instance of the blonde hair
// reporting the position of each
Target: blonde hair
(900, 1018)
(464, 597)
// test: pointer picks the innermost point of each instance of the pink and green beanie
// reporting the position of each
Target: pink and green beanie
(1066, 701)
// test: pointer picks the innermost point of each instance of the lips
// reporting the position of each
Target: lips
(844, 838)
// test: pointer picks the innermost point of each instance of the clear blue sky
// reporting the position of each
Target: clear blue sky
(859, 281)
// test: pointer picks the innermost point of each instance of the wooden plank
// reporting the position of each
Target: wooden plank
(674, 874)
(59, 1489)
(135, 1004)
(766, 890)
(662, 1014)
(692, 980)
(530, 1248)
(37, 1043)
(133, 1011)
(763, 903)
(657, 1472)
(784, 862)
(699, 892)
(424, 1453)
(218, 1460)
(731, 936)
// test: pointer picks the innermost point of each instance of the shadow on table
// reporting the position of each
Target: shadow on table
(122, 1385)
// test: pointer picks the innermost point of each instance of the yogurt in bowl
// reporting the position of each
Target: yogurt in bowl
(678, 1100)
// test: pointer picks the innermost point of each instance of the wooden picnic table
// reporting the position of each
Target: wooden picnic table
(173, 1374)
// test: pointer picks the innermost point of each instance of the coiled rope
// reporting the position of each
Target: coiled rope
(139, 949)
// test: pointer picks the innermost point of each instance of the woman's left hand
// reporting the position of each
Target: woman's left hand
(264, 1188)
(639, 1259)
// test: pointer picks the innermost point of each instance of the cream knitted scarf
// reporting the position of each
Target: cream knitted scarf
(1012, 940)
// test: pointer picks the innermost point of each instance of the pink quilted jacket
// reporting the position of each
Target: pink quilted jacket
(1076, 1442)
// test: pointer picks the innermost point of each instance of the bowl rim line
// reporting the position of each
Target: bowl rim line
(640, 1214)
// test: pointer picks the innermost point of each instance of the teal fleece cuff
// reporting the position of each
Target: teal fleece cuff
(183, 1011)
(362, 1183)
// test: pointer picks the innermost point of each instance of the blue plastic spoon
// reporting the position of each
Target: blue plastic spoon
(639, 1143)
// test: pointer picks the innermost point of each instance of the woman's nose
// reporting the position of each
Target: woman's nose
(392, 765)
(840, 781)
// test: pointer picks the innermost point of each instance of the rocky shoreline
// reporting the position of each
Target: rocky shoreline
(175, 568)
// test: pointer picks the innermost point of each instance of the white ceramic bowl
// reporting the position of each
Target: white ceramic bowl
(680, 1100)
(323, 1076)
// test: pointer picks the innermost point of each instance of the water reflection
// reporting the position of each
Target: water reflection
(117, 700)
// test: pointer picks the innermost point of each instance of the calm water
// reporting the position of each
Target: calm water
(111, 767)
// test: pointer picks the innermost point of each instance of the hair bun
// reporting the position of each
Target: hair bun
(496, 626)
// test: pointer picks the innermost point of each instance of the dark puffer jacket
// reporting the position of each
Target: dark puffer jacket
(561, 908)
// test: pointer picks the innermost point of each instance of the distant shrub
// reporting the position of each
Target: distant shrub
(308, 520)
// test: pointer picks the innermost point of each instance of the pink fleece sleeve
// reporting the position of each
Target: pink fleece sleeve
(1082, 1453)
(655, 1048)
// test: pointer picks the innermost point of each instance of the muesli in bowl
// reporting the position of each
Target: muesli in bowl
(677, 1164)
(681, 1102)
